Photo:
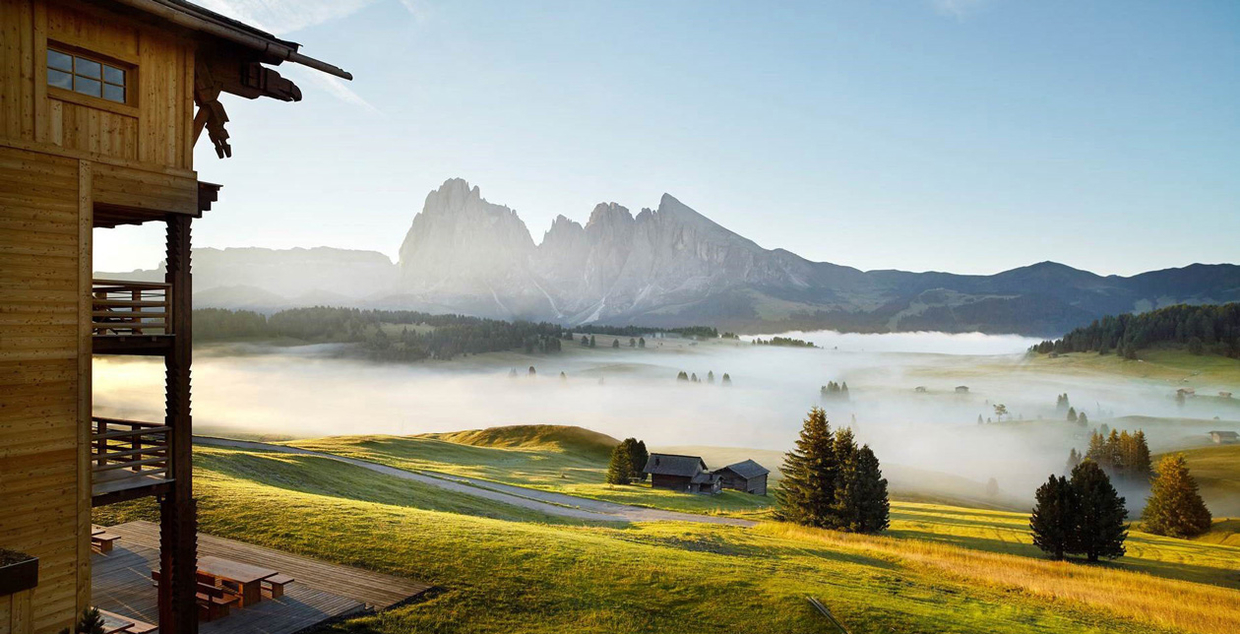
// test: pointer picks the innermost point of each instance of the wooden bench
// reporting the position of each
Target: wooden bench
(102, 542)
(213, 602)
(273, 587)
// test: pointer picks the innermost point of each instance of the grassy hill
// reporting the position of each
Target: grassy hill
(1217, 471)
(1173, 366)
(563, 438)
(504, 570)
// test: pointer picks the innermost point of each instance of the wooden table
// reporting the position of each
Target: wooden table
(114, 623)
(247, 578)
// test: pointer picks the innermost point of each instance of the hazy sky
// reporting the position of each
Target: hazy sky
(962, 135)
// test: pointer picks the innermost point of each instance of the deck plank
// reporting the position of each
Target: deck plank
(122, 584)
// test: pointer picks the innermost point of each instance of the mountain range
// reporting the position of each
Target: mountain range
(669, 266)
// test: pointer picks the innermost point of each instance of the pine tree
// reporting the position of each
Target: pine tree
(1072, 415)
(1082, 419)
(875, 508)
(682, 376)
(620, 470)
(615, 343)
(591, 341)
(1175, 508)
(1139, 463)
(641, 342)
(640, 456)
(710, 377)
(1100, 530)
(846, 509)
(807, 491)
(585, 341)
(1074, 458)
(727, 380)
(1054, 517)
(632, 342)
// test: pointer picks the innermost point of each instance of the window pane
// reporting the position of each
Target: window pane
(86, 68)
(59, 79)
(114, 93)
(86, 86)
(59, 61)
(113, 75)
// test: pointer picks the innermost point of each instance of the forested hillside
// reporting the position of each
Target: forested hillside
(1205, 329)
(386, 334)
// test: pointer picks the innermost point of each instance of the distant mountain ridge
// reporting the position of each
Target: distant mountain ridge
(672, 266)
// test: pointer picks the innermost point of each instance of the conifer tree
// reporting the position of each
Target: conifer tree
(620, 469)
(727, 380)
(807, 491)
(1175, 508)
(1072, 415)
(1100, 530)
(1082, 419)
(1054, 517)
(615, 343)
(632, 342)
(875, 508)
(710, 377)
(640, 456)
(591, 341)
(1139, 462)
(585, 341)
(846, 509)
(1074, 458)
(641, 342)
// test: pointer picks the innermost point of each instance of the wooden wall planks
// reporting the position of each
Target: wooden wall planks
(155, 129)
(43, 356)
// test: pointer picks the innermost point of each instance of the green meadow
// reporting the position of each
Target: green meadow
(503, 569)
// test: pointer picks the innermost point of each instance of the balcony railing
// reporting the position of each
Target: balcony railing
(123, 307)
(128, 451)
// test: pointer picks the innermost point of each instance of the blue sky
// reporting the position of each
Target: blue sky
(969, 136)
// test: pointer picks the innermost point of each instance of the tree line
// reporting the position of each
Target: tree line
(422, 335)
(1204, 329)
(787, 342)
(705, 332)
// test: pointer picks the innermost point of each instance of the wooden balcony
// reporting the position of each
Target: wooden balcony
(129, 459)
(129, 317)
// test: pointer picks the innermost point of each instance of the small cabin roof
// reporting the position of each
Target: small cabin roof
(190, 16)
(746, 469)
(1229, 434)
(674, 465)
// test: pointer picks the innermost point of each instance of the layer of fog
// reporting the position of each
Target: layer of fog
(321, 390)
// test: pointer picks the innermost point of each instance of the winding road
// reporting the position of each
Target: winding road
(542, 501)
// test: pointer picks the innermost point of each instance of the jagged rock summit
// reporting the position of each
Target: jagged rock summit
(669, 266)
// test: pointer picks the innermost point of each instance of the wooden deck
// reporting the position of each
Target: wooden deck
(122, 584)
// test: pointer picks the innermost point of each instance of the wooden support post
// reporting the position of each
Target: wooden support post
(178, 611)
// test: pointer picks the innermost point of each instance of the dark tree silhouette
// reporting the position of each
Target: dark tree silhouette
(1054, 517)
(1100, 529)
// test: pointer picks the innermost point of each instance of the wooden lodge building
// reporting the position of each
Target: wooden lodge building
(681, 473)
(747, 476)
(101, 105)
(690, 475)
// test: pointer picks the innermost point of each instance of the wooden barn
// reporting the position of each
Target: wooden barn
(747, 476)
(681, 473)
(101, 105)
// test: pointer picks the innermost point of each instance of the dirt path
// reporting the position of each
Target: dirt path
(542, 501)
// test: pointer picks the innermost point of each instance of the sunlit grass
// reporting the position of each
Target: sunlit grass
(510, 573)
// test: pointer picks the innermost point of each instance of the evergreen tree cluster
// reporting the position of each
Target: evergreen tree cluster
(1121, 455)
(834, 391)
(830, 482)
(786, 342)
(704, 332)
(1080, 515)
(687, 377)
(448, 335)
(628, 462)
(1204, 329)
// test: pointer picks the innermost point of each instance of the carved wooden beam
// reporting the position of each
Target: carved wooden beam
(221, 70)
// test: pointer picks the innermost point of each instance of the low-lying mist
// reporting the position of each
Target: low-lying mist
(902, 397)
